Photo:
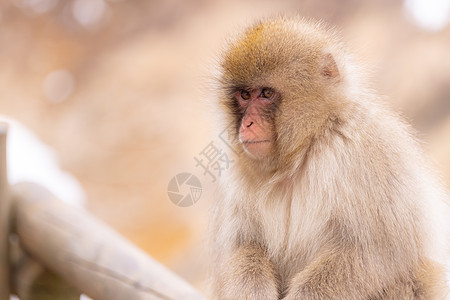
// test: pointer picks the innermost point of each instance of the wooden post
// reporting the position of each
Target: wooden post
(87, 253)
(4, 217)
(31, 281)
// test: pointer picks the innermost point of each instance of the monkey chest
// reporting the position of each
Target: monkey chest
(292, 232)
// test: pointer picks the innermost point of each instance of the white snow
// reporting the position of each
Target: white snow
(29, 159)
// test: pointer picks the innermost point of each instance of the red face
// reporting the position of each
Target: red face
(256, 129)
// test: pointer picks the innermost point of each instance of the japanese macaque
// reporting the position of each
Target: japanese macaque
(330, 196)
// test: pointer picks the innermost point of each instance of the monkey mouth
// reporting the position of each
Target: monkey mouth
(255, 142)
(257, 149)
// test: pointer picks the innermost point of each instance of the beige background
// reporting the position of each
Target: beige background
(133, 108)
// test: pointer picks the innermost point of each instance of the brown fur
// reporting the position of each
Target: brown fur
(344, 207)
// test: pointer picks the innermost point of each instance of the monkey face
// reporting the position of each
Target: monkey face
(278, 88)
(256, 134)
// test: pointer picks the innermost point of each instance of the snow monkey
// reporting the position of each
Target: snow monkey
(329, 196)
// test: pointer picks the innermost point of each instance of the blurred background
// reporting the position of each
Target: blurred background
(119, 90)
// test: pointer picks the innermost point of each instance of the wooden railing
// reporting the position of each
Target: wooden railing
(77, 247)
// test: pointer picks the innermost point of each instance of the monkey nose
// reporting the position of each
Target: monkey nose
(251, 123)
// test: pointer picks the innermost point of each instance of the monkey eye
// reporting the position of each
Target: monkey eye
(245, 95)
(267, 93)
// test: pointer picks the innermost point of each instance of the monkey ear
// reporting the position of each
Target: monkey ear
(329, 68)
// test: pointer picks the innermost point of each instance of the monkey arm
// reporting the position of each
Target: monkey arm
(336, 273)
(247, 274)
